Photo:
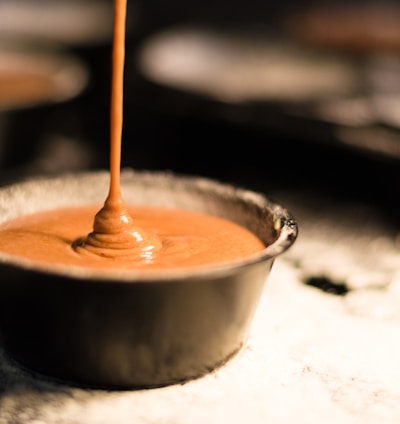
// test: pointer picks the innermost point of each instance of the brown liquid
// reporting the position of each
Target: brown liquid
(188, 239)
(154, 238)
(19, 89)
(113, 228)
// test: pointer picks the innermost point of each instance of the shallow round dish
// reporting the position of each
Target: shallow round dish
(261, 81)
(135, 329)
(31, 75)
(243, 66)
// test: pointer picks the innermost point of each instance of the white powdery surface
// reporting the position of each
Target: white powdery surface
(311, 356)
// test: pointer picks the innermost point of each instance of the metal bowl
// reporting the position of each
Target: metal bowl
(135, 329)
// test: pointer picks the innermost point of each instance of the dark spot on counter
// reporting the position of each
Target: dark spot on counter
(327, 285)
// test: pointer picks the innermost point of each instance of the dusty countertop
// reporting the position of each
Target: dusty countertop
(323, 347)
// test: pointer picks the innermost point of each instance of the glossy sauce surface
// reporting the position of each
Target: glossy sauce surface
(187, 239)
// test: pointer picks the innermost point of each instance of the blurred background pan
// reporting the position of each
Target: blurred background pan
(255, 79)
(35, 83)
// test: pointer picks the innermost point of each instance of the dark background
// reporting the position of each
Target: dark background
(159, 133)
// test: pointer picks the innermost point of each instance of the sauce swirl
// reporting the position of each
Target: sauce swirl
(114, 232)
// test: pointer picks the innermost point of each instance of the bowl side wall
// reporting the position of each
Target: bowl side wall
(127, 335)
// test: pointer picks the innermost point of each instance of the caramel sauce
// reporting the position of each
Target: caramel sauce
(125, 236)
(114, 230)
(187, 239)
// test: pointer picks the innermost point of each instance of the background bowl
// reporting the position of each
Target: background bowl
(133, 329)
(38, 85)
(31, 76)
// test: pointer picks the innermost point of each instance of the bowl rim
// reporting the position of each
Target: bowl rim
(284, 223)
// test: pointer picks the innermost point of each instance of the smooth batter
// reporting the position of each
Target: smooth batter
(121, 236)
(187, 239)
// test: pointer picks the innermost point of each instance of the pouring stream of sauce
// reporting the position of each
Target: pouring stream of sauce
(113, 230)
